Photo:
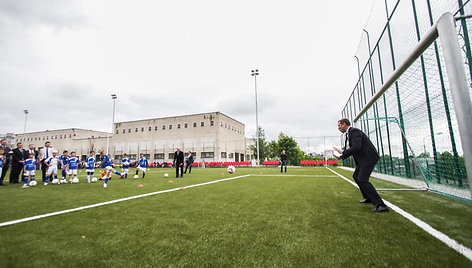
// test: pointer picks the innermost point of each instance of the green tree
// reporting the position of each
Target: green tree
(263, 146)
(294, 154)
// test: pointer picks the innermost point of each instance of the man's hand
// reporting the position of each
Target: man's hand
(337, 150)
(337, 157)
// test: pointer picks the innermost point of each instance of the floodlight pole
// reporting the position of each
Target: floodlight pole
(113, 97)
(255, 73)
(26, 116)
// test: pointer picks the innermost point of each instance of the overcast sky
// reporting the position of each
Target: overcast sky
(61, 60)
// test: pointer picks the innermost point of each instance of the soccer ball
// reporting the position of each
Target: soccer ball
(94, 179)
(231, 169)
(135, 176)
(55, 181)
(33, 183)
(62, 181)
(75, 180)
(166, 175)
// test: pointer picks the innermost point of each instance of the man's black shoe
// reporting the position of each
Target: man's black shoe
(365, 201)
(380, 209)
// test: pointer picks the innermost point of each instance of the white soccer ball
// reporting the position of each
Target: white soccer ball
(135, 176)
(55, 181)
(231, 169)
(62, 181)
(75, 180)
(94, 179)
(33, 183)
(166, 175)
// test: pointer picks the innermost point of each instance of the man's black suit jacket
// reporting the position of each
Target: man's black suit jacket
(26, 152)
(6, 153)
(17, 157)
(179, 157)
(360, 147)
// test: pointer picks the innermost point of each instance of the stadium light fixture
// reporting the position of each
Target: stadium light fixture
(255, 73)
(26, 116)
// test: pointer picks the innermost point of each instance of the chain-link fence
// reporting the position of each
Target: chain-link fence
(413, 124)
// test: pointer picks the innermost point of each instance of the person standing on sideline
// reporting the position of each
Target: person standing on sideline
(31, 150)
(17, 163)
(188, 163)
(6, 160)
(44, 154)
(283, 161)
(179, 162)
(365, 156)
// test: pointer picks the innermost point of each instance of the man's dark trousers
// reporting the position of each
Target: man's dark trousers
(361, 176)
(177, 167)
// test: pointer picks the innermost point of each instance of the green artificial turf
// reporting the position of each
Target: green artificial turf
(275, 221)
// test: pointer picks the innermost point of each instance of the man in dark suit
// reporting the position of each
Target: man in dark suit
(179, 162)
(365, 156)
(6, 163)
(188, 163)
(44, 154)
(18, 158)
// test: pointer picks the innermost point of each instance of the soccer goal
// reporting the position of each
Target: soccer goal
(420, 118)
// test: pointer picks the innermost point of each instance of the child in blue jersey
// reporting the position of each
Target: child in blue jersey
(2, 159)
(52, 163)
(29, 168)
(125, 165)
(90, 165)
(106, 164)
(142, 165)
(73, 166)
(64, 160)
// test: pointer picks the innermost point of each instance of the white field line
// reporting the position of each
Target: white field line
(111, 202)
(294, 175)
(467, 252)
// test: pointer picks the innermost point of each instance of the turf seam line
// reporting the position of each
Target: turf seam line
(112, 202)
(465, 251)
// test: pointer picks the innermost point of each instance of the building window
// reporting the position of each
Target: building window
(163, 127)
(226, 125)
(155, 128)
(60, 137)
(208, 154)
(129, 130)
(170, 126)
(136, 130)
(158, 156)
(70, 136)
(202, 124)
(171, 155)
(56, 137)
(74, 134)
(194, 124)
(185, 125)
(223, 154)
(132, 157)
(221, 124)
(117, 131)
(231, 156)
(178, 125)
(142, 129)
(150, 128)
(212, 123)
(124, 130)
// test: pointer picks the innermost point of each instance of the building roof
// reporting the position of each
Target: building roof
(178, 116)
(50, 130)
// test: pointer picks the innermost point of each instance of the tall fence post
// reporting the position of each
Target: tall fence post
(458, 85)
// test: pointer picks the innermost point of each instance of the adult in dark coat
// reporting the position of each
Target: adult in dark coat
(283, 161)
(179, 163)
(188, 163)
(365, 156)
(17, 160)
(6, 164)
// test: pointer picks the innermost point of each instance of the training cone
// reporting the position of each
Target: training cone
(171, 181)
(222, 173)
(261, 172)
(140, 185)
(182, 188)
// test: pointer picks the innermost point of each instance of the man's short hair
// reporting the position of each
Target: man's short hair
(3, 140)
(65, 151)
(19, 143)
(31, 144)
(344, 121)
(47, 142)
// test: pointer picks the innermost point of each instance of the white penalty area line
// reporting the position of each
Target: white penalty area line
(113, 201)
(467, 252)
(294, 175)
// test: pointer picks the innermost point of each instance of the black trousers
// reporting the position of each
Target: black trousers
(4, 172)
(189, 167)
(177, 167)
(361, 176)
(15, 173)
(44, 168)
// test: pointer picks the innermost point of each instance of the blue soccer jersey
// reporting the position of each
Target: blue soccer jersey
(30, 164)
(73, 162)
(90, 162)
(106, 162)
(125, 162)
(64, 160)
(143, 162)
